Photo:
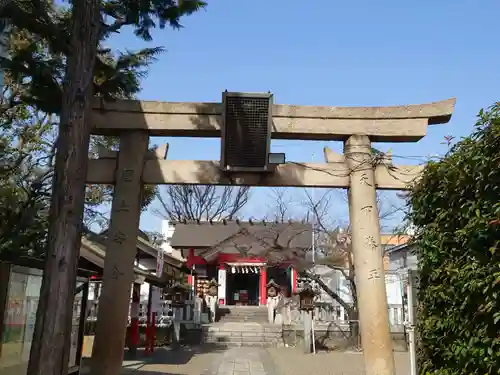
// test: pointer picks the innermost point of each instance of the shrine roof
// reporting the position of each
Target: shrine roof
(145, 250)
(206, 234)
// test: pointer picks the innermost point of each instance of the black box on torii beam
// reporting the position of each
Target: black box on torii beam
(246, 128)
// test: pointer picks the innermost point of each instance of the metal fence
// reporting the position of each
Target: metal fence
(164, 317)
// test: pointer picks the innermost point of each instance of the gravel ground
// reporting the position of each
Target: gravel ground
(292, 361)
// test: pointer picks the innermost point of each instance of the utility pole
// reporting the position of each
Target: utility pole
(313, 239)
(313, 242)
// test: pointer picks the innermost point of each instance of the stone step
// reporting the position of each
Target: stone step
(239, 315)
(234, 320)
(243, 320)
(244, 309)
(242, 334)
(245, 344)
(243, 340)
(241, 327)
(243, 314)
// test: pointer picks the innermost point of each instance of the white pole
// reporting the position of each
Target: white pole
(193, 284)
(313, 243)
(313, 240)
(314, 336)
(412, 348)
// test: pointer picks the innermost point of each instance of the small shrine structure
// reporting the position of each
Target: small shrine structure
(243, 256)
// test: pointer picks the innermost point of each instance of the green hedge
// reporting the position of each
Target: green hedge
(456, 210)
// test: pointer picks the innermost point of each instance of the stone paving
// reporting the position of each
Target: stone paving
(292, 361)
(245, 361)
(165, 361)
(249, 361)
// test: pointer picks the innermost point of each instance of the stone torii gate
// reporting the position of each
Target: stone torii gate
(357, 170)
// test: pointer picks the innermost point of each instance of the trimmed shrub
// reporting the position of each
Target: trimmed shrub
(456, 210)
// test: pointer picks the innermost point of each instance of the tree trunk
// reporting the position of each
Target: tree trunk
(51, 342)
(327, 290)
(352, 311)
(354, 327)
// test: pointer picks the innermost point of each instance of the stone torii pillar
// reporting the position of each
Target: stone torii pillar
(121, 250)
(368, 262)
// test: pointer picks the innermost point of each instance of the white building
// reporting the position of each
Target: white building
(402, 258)
(167, 231)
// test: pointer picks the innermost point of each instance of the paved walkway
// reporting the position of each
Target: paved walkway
(293, 361)
(165, 361)
(249, 361)
(245, 361)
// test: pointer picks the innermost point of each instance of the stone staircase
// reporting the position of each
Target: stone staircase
(241, 326)
(243, 314)
(240, 334)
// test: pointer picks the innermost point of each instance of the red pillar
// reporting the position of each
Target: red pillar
(263, 283)
(148, 322)
(134, 318)
(189, 264)
(294, 280)
(222, 298)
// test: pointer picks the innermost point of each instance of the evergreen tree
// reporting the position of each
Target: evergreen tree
(455, 208)
(56, 65)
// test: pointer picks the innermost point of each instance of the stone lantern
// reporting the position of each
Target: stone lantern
(178, 294)
(306, 296)
(211, 299)
(273, 297)
(212, 288)
(272, 288)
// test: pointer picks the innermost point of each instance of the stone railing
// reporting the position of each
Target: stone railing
(328, 312)
(288, 313)
(336, 336)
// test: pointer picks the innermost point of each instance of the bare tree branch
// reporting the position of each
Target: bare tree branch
(329, 291)
(279, 211)
(199, 202)
(333, 248)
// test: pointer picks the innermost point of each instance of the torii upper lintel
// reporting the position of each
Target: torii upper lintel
(407, 123)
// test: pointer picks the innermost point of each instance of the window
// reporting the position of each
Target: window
(19, 321)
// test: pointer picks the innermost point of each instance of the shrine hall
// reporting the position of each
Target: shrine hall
(242, 256)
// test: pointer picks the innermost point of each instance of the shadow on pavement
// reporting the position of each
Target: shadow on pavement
(162, 356)
(170, 356)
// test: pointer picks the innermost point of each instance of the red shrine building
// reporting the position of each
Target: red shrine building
(242, 256)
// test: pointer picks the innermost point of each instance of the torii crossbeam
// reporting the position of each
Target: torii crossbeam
(170, 119)
(382, 124)
(332, 174)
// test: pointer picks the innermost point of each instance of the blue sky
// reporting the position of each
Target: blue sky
(327, 52)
